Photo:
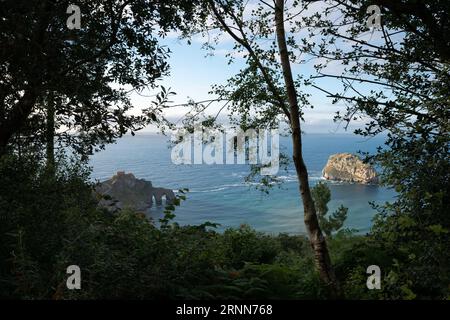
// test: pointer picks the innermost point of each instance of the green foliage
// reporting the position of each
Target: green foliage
(322, 195)
(117, 43)
(245, 245)
(49, 219)
(51, 222)
(406, 64)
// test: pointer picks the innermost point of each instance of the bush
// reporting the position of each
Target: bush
(51, 220)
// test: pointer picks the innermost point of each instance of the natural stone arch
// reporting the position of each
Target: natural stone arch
(125, 190)
(158, 193)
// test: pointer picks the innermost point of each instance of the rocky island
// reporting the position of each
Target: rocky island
(349, 168)
(125, 190)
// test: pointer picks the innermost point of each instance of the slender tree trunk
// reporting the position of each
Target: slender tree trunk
(50, 133)
(318, 243)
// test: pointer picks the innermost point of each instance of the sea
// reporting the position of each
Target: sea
(220, 193)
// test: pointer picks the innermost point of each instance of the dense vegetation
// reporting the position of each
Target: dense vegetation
(53, 79)
(51, 222)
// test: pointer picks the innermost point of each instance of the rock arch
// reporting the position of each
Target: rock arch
(158, 193)
(125, 190)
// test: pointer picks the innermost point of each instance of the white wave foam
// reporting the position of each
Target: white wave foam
(283, 179)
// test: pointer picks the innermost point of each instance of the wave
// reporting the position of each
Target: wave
(218, 188)
(281, 179)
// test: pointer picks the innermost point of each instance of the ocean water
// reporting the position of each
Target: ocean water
(218, 193)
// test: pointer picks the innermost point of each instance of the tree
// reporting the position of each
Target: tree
(88, 73)
(396, 79)
(322, 195)
(265, 91)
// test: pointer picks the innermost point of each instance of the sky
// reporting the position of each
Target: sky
(192, 73)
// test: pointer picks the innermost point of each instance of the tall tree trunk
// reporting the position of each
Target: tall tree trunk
(318, 243)
(50, 133)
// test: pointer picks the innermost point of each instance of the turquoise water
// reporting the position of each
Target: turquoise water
(218, 193)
